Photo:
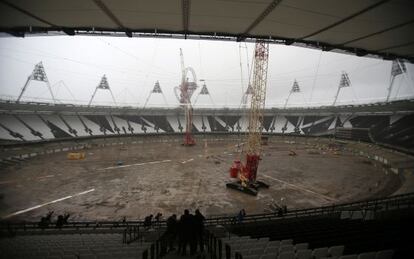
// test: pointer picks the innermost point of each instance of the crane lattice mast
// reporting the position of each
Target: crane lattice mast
(258, 98)
(247, 172)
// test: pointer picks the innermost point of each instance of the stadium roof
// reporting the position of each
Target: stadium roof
(364, 27)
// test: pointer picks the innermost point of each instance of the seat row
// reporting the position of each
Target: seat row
(262, 248)
(382, 254)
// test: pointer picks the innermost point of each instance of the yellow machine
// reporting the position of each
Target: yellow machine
(76, 155)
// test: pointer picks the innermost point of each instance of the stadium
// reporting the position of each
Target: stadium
(334, 179)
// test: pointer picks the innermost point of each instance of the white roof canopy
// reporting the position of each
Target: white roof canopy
(376, 27)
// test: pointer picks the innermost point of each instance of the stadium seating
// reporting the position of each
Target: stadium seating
(326, 236)
(15, 126)
(60, 121)
(250, 248)
(70, 246)
(299, 234)
(399, 133)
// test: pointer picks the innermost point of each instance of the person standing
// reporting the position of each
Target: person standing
(171, 231)
(185, 231)
(148, 221)
(241, 215)
(199, 228)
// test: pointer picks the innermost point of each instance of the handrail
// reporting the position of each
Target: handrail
(359, 205)
(130, 234)
(372, 204)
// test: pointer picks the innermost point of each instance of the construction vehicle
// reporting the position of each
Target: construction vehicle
(247, 172)
(76, 155)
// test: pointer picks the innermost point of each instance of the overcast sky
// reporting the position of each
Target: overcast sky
(132, 67)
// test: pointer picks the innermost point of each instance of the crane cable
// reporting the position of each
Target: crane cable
(244, 113)
(315, 77)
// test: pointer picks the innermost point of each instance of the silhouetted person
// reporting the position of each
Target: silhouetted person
(180, 236)
(148, 221)
(279, 212)
(59, 222)
(199, 229)
(185, 231)
(65, 218)
(45, 221)
(192, 235)
(241, 215)
(62, 220)
(171, 233)
(158, 218)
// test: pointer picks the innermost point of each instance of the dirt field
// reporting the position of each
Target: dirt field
(167, 178)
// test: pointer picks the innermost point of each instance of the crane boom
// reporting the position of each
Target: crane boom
(258, 97)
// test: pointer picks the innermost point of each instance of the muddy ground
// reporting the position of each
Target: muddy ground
(167, 178)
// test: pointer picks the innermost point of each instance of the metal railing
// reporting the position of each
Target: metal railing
(374, 105)
(381, 204)
(130, 234)
(387, 203)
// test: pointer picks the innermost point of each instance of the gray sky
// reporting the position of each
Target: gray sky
(132, 66)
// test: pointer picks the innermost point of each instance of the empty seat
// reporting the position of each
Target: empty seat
(287, 255)
(269, 256)
(353, 256)
(286, 242)
(272, 250)
(301, 246)
(357, 215)
(336, 250)
(275, 243)
(320, 252)
(286, 248)
(384, 254)
(345, 214)
(261, 245)
(304, 254)
(368, 255)
(236, 247)
(257, 251)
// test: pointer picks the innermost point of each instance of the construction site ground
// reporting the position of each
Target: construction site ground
(146, 177)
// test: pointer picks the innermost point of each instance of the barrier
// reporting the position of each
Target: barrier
(382, 204)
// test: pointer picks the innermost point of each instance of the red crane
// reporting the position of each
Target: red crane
(186, 90)
(247, 172)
